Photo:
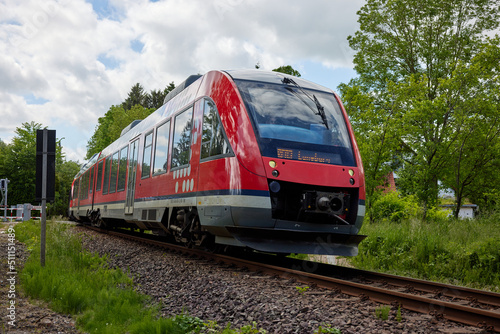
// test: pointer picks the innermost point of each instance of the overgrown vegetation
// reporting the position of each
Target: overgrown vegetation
(102, 300)
(457, 251)
(425, 98)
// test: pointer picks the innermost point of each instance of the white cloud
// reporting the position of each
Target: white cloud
(77, 58)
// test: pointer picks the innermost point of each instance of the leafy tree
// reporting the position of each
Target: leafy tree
(65, 172)
(416, 63)
(137, 106)
(3, 153)
(475, 151)
(18, 164)
(287, 69)
(111, 125)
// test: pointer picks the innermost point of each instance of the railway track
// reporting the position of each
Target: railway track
(463, 305)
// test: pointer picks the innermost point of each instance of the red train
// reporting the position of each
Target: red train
(243, 158)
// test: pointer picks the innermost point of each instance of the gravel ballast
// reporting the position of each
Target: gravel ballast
(231, 295)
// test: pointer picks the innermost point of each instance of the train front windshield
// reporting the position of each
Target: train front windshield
(297, 124)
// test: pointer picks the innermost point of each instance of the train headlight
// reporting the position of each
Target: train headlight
(351, 172)
(272, 163)
(351, 181)
(275, 173)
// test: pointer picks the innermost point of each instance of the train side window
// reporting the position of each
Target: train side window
(146, 159)
(114, 172)
(91, 173)
(85, 186)
(107, 168)
(181, 151)
(80, 187)
(161, 148)
(122, 171)
(213, 140)
(99, 176)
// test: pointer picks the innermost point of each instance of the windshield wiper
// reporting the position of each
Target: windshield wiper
(321, 109)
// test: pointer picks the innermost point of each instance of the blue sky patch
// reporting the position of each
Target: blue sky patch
(32, 99)
(328, 77)
(105, 10)
(11, 22)
(110, 62)
(137, 45)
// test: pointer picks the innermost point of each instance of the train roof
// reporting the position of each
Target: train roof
(273, 77)
(185, 84)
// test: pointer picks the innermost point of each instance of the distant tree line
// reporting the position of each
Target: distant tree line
(17, 163)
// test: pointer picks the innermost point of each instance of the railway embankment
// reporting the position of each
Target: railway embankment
(218, 294)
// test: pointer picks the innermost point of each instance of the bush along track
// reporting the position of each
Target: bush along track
(456, 251)
(101, 299)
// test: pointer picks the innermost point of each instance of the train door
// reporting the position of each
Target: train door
(132, 171)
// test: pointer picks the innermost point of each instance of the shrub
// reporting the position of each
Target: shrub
(392, 207)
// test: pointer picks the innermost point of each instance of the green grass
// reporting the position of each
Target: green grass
(382, 312)
(462, 252)
(103, 300)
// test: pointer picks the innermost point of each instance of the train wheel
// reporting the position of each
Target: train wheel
(188, 229)
(197, 235)
(96, 220)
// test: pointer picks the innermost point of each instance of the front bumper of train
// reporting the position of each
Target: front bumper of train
(292, 241)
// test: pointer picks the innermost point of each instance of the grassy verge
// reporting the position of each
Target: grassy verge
(102, 300)
(463, 252)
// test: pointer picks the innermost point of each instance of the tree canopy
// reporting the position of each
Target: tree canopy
(425, 102)
(287, 69)
(137, 106)
(17, 163)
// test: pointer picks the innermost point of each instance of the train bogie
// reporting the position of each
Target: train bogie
(245, 158)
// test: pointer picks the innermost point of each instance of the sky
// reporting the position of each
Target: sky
(64, 63)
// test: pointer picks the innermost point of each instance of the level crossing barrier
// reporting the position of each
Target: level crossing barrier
(21, 212)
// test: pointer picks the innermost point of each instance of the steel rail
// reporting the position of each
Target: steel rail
(439, 289)
(486, 319)
(470, 295)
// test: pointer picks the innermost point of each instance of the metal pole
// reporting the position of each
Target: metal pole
(6, 185)
(44, 198)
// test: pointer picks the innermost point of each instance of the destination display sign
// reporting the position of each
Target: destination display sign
(309, 156)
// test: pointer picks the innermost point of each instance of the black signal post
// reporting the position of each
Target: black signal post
(45, 178)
